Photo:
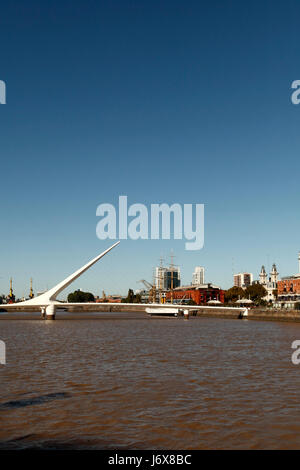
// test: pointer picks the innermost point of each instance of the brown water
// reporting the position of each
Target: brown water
(124, 381)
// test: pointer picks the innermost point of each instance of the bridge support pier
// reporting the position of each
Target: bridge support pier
(50, 312)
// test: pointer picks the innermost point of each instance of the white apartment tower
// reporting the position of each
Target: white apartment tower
(198, 276)
(160, 274)
(243, 279)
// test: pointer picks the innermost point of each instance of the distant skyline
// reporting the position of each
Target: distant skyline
(186, 102)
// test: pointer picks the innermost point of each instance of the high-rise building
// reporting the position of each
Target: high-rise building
(159, 277)
(172, 278)
(198, 276)
(242, 279)
(167, 278)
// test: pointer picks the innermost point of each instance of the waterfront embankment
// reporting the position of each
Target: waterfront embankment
(217, 312)
(255, 314)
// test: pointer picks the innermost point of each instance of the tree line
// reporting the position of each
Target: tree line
(255, 292)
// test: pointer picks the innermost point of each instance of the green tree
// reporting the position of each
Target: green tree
(256, 292)
(132, 298)
(79, 296)
(232, 294)
(275, 293)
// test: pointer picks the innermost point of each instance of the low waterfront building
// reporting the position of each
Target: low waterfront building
(201, 295)
(288, 291)
(110, 298)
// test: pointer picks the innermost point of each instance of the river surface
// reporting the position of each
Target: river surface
(126, 381)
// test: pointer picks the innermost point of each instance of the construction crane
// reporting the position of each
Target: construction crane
(152, 290)
(146, 284)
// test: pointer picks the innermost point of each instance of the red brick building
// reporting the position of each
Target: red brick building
(289, 288)
(199, 294)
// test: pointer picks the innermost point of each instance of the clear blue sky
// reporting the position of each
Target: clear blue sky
(163, 101)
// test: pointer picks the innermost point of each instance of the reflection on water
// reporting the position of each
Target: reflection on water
(33, 400)
(119, 381)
